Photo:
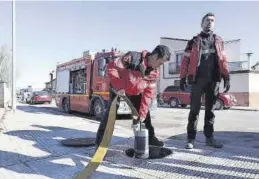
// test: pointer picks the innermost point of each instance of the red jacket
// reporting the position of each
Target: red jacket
(191, 58)
(133, 82)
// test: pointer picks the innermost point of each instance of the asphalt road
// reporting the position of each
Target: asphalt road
(170, 119)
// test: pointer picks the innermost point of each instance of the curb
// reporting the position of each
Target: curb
(242, 109)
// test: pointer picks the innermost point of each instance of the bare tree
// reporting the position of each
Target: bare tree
(5, 65)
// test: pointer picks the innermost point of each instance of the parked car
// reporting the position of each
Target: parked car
(175, 97)
(40, 97)
(160, 101)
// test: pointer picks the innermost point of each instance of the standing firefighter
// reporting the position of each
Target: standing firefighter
(135, 75)
(203, 66)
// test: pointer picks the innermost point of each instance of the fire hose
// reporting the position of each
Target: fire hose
(103, 147)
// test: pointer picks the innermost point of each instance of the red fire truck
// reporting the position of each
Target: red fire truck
(82, 84)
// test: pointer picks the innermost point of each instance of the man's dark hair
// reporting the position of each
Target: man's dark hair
(161, 51)
(207, 15)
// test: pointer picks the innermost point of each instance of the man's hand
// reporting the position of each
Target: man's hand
(226, 85)
(136, 126)
(141, 119)
(121, 92)
(182, 84)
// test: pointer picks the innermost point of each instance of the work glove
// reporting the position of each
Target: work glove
(135, 127)
(141, 119)
(190, 80)
(226, 85)
(182, 84)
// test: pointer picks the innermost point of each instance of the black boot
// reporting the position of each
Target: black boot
(155, 142)
(213, 143)
(189, 144)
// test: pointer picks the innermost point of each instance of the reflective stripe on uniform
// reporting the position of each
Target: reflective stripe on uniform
(186, 54)
(152, 85)
(208, 51)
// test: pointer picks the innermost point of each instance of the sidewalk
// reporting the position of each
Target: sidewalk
(32, 149)
(2, 113)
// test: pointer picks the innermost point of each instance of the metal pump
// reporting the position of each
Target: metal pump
(141, 142)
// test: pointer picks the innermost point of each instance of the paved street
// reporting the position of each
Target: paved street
(30, 146)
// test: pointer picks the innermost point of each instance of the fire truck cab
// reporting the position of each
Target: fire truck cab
(82, 84)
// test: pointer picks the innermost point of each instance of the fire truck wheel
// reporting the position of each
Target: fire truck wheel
(66, 107)
(98, 109)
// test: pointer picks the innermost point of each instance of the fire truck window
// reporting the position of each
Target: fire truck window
(78, 83)
(105, 70)
(102, 64)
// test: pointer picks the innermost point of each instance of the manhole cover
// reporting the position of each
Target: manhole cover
(79, 142)
(154, 152)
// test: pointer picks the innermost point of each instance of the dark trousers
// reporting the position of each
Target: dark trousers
(211, 90)
(136, 101)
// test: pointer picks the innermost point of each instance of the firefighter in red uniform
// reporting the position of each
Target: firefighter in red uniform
(203, 66)
(135, 75)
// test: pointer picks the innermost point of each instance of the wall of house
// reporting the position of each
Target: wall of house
(176, 46)
(5, 95)
(232, 49)
(245, 87)
(254, 89)
(239, 87)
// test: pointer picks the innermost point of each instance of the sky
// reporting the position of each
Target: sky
(52, 32)
(6, 23)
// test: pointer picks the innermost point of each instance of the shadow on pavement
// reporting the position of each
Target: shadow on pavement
(111, 176)
(238, 146)
(236, 138)
(47, 143)
(41, 110)
(239, 158)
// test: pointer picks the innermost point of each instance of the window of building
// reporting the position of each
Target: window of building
(174, 67)
(179, 57)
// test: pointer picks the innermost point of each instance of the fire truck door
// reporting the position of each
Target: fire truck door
(74, 102)
(84, 103)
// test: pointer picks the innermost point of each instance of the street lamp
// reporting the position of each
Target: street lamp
(13, 58)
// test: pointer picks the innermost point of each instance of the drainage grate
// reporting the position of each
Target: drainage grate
(154, 152)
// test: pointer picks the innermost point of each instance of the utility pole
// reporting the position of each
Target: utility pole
(13, 58)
